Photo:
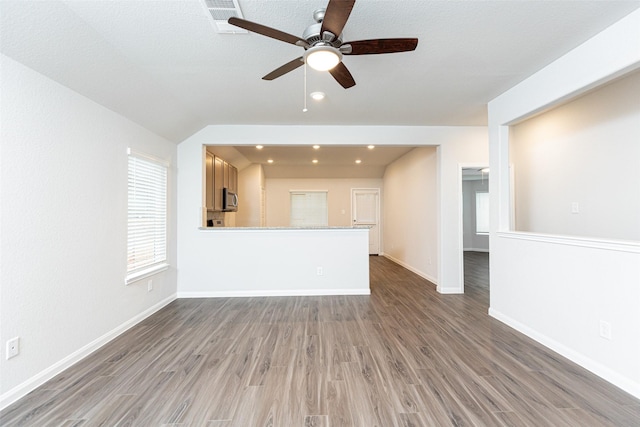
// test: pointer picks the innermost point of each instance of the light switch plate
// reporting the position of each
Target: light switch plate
(575, 207)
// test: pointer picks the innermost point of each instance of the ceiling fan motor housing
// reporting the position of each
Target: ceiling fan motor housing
(312, 34)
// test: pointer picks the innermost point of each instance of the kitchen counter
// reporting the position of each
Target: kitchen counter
(275, 261)
(354, 227)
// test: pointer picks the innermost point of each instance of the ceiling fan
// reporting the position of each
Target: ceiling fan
(323, 43)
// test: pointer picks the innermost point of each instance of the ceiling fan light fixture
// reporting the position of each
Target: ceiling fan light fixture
(317, 96)
(322, 57)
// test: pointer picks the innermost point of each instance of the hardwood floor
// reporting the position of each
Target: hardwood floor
(404, 356)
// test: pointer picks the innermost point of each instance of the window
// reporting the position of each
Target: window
(147, 217)
(482, 212)
(309, 209)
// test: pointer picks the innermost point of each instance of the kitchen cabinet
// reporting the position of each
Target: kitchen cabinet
(233, 179)
(230, 177)
(218, 182)
(226, 175)
(209, 182)
(219, 175)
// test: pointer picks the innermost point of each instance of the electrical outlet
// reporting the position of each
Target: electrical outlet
(149, 285)
(13, 347)
(319, 271)
(605, 330)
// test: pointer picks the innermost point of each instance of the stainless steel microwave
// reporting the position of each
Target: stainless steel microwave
(229, 200)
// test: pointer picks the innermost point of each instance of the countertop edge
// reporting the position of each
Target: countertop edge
(332, 228)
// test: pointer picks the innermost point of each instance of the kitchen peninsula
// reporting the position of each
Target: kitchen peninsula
(276, 261)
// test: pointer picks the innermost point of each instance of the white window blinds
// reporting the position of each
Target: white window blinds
(482, 212)
(309, 209)
(147, 216)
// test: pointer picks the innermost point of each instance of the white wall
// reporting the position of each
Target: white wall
(410, 234)
(558, 289)
(585, 152)
(266, 262)
(456, 145)
(63, 224)
(471, 240)
(338, 198)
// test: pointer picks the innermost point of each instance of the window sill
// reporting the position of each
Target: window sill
(586, 242)
(143, 274)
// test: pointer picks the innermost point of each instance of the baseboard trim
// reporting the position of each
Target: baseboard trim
(37, 380)
(273, 293)
(450, 291)
(411, 269)
(600, 370)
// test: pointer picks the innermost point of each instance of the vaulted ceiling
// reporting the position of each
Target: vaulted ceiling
(163, 65)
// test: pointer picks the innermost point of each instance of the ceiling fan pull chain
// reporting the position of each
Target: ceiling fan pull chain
(304, 95)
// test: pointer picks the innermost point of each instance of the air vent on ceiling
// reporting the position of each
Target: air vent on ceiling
(220, 11)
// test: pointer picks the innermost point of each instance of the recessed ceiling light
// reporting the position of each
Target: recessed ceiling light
(358, 161)
(270, 161)
(314, 161)
(259, 147)
(371, 147)
(315, 147)
(318, 96)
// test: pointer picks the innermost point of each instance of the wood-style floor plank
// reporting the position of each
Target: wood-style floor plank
(403, 356)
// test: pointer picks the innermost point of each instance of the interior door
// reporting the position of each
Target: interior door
(365, 207)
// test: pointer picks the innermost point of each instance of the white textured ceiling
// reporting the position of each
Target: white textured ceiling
(161, 64)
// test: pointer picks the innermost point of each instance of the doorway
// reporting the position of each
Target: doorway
(365, 211)
(474, 222)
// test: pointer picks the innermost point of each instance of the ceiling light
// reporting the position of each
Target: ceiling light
(315, 147)
(358, 161)
(371, 147)
(314, 161)
(318, 96)
(259, 147)
(270, 161)
(322, 57)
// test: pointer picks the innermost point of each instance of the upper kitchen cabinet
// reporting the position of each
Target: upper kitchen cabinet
(209, 198)
(219, 175)
(218, 183)
(233, 179)
(230, 177)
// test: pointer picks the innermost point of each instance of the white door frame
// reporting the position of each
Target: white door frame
(378, 219)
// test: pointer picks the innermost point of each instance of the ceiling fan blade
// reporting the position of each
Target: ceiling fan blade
(342, 75)
(376, 46)
(289, 66)
(336, 15)
(268, 31)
